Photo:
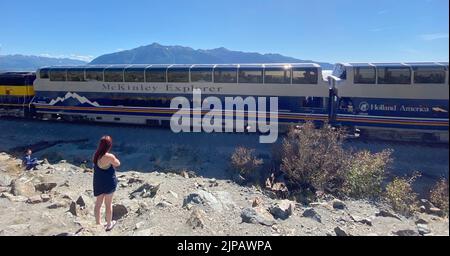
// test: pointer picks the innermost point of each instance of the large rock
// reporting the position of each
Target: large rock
(283, 209)
(388, 214)
(145, 190)
(423, 229)
(340, 232)
(13, 198)
(119, 211)
(21, 188)
(338, 204)
(45, 186)
(196, 219)
(311, 213)
(35, 199)
(204, 198)
(406, 232)
(257, 215)
(5, 180)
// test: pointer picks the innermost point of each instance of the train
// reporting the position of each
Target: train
(406, 101)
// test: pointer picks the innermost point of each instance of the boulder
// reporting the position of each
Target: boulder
(145, 190)
(164, 204)
(283, 209)
(45, 197)
(338, 204)
(35, 199)
(406, 232)
(20, 188)
(257, 215)
(73, 208)
(5, 180)
(13, 198)
(119, 211)
(388, 214)
(196, 219)
(436, 211)
(423, 229)
(340, 232)
(311, 213)
(45, 186)
(421, 221)
(205, 198)
(57, 205)
(358, 219)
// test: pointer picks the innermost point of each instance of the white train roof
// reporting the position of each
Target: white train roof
(393, 64)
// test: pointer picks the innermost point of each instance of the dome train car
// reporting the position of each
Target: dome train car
(392, 100)
(16, 93)
(141, 94)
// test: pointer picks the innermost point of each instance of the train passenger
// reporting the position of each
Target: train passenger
(105, 181)
(29, 162)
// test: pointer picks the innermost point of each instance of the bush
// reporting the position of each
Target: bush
(245, 161)
(400, 195)
(312, 159)
(439, 195)
(364, 174)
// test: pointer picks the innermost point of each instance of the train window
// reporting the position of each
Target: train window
(94, 74)
(58, 75)
(225, 75)
(429, 75)
(253, 75)
(155, 75)
(365, 75)
(394, 75)
(43, 73)
(134, 75)
(201, 75)
(178, 75)
(277, 76)
(113, 75)
(304, 76)
(75, 75)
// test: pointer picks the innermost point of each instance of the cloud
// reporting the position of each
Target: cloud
(86, 58)
(435, 36)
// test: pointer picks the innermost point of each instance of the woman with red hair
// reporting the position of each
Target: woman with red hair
(105, 181)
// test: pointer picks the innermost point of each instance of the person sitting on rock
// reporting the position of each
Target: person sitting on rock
(28, 161)
(105, 181)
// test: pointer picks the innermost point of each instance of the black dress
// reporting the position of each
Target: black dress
(105, 181)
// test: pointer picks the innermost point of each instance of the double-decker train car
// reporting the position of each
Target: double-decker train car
(141, 94)
(16, 93)
(392, 100)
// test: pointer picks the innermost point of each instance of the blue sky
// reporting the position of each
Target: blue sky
(321, 30)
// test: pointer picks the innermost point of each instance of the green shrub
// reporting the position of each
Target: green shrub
(245, 161)
(400, 195)
(439, 195)
(312, 159)
(364, 174)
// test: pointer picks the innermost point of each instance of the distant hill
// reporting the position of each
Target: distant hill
(160, 54)
(32, 63)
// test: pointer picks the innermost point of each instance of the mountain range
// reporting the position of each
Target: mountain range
(153, 54)
(160, 54)
(19, 62)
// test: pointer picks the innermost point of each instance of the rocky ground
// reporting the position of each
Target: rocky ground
(58, 200)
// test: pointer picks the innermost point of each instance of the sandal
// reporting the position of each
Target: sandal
(113, 223)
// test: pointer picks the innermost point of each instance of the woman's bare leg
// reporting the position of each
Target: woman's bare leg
(98, 206)
(108, 205)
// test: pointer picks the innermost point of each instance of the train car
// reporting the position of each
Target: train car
(392, 100)
(141, 94)
(16, 93)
